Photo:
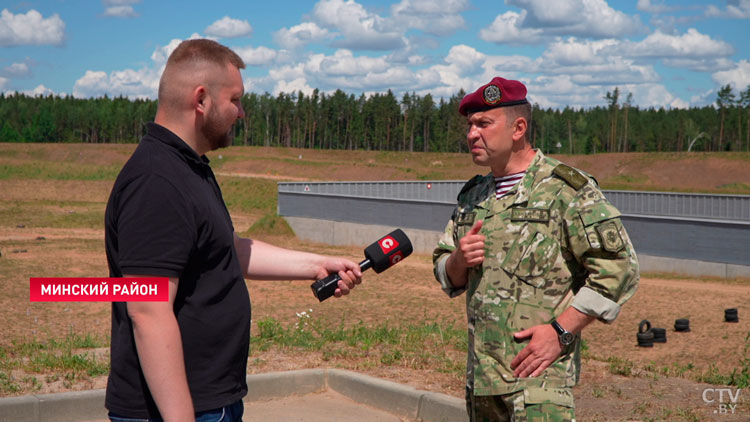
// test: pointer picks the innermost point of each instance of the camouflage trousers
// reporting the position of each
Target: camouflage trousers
(530, 405)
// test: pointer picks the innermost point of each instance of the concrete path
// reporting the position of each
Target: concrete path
(317, 407)
(312, 395)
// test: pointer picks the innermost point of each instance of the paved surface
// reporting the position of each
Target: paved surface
(317, 407)
(326, 406)
(308, 395)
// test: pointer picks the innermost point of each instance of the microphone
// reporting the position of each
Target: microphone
(389, 250)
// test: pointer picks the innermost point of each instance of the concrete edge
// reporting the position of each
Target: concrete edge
(274, 385)
(401, 400)
(74, 406)
(436, 407)
(392, 397)
(398, 399)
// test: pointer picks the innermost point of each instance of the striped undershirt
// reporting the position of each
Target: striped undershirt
(506, 183)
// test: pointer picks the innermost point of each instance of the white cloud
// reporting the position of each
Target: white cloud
(508, 28)
(344, 70)
(738, 78)
(142, 83)
(359, 29)
(30, 28)
(16, 70)
(654, 95)
(3, 82)
(258, 56)
(299, 84)
(691, 44)
(466, 59)
(133, 83)
(700, 64)
(704, 98)
(120, 8)
(572, 52)
(653, 7)
(412, 54)
(595, 62)
(161, 54)
(438, 17)
(736, 9)
(562, 91)
(120, 12)
(343, 63)
(300, 35)
(40, 90)
(227, 27)
(540, 19)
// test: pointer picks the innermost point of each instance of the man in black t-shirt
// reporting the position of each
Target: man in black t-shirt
(185, 359)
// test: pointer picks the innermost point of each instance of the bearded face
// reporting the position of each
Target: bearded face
(218, 130)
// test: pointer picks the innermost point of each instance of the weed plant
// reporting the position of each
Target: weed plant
(429, 345)
(70, 358)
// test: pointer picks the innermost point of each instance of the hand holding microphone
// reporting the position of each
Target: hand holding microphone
(386, 252)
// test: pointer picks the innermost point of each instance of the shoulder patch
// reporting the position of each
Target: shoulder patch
(573, 177)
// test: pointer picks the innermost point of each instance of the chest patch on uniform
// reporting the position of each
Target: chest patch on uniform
(529, 214)
(465, 219)
(610, 237)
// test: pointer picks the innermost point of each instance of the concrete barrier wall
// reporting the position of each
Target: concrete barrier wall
(343, 233)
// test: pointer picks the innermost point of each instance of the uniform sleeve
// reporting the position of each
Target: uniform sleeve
(155, 226)
(440, 255)
(600, 244)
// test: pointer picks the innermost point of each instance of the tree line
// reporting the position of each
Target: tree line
(382, 121)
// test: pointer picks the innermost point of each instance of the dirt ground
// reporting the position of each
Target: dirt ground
(648, 388)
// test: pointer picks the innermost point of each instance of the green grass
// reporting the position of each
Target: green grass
(739, 377)
(620, 366)
(417, 346)
(270, 224)
(249, 195)
(52, 214)
(66, 358)
(57, 170)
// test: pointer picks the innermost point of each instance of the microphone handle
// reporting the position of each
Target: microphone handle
(325, 287)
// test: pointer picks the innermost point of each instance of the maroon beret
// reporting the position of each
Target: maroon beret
(498, 93)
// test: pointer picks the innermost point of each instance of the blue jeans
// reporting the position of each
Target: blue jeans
(231, 413)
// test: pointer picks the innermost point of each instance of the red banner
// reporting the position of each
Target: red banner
(99, 289)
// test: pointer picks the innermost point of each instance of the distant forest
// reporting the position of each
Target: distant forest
(384, 122)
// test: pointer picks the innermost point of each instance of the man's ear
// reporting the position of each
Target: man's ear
(520, 125)
(200, 99)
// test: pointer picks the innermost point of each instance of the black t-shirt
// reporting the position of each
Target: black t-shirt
(166, 217)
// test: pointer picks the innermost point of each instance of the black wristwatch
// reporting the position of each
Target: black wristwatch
(566, 337)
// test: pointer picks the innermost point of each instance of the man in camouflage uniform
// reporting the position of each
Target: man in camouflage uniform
(537, 263)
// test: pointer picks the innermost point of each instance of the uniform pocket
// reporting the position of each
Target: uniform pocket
(557, 396)
(531, 256)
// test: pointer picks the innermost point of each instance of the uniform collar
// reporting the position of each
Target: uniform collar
(523, 188)
(521, 192)
(169, 138)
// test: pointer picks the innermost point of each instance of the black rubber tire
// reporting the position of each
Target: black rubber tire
(645, 339)
(682, 325)
(645, 336)
(730, 315)
(660, 335)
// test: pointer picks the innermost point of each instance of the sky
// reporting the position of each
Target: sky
(666, 53)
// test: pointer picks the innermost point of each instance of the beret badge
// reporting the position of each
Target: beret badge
(492, 94)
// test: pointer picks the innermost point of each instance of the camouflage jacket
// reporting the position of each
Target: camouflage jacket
(553, 241)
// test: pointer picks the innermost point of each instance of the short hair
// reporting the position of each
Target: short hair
(205, 50)
(187, 59)
(514, 112)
